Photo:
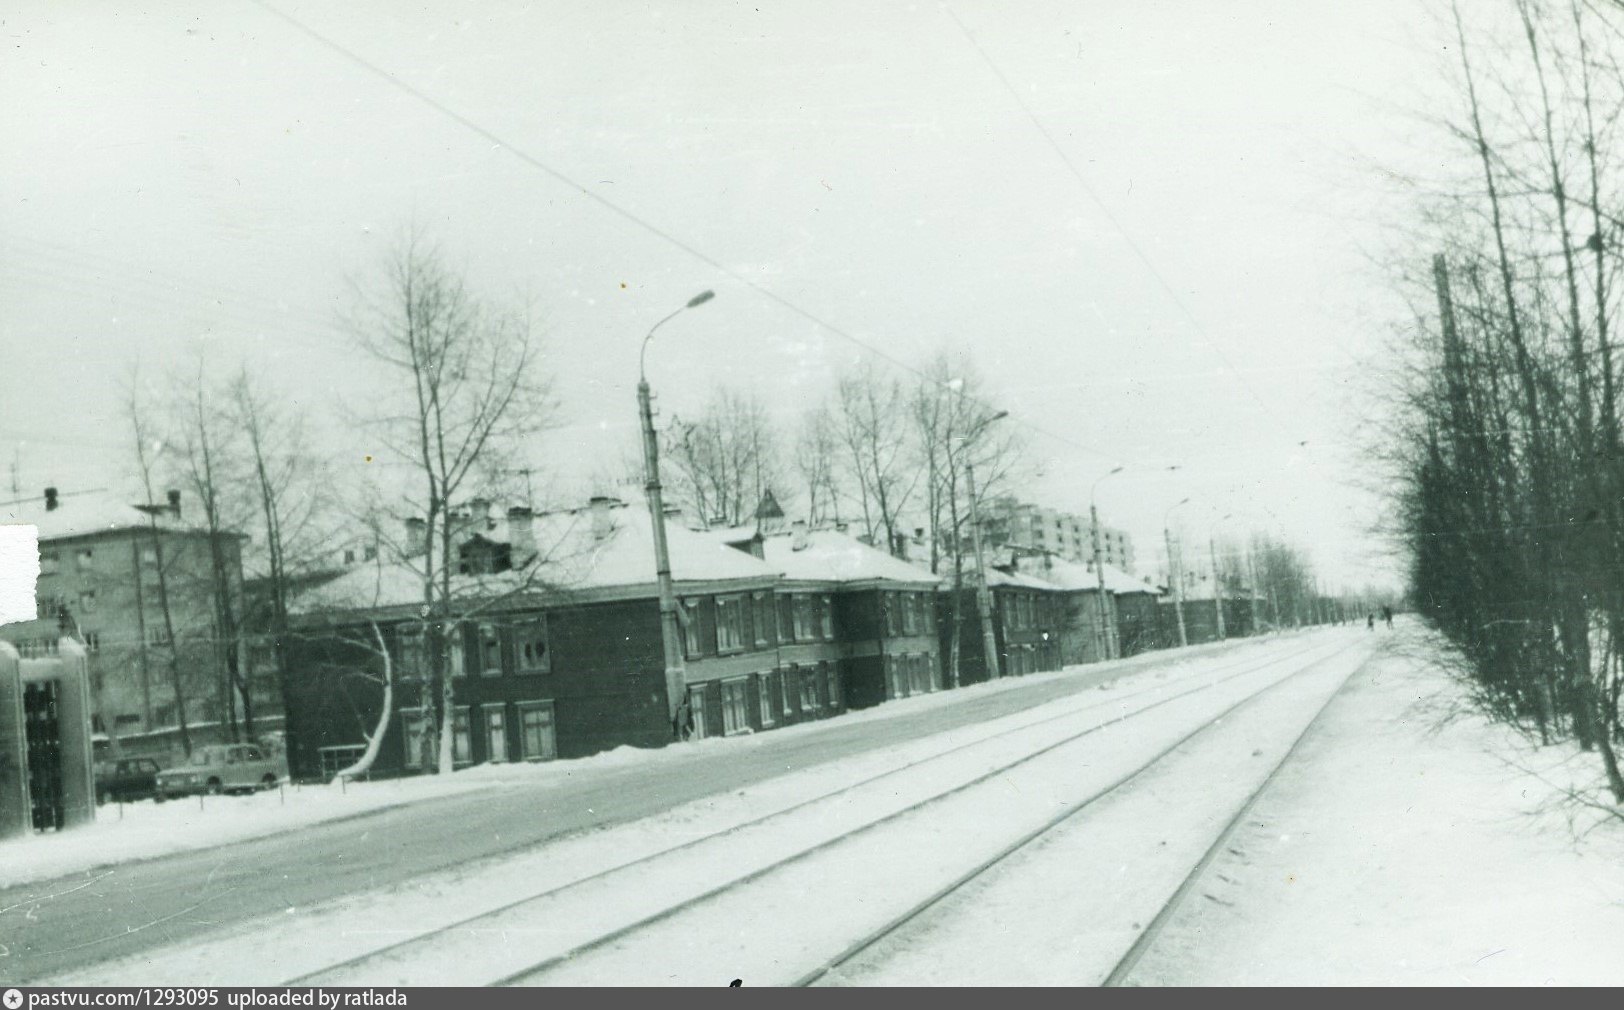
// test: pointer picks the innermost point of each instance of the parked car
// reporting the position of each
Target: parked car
(126, 779)
(219, 768)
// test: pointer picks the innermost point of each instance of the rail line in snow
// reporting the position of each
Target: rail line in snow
(1061, 818)
(1147, 938)
(1208, 679)
(531, 973)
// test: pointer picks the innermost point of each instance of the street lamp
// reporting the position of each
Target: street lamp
(989, 642)
(1175, 574)
(676, 686)
(1107, 619)
(1217, 582)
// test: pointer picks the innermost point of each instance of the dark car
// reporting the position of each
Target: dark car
(126, 779)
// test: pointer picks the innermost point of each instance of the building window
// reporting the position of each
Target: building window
(918, 680)
(809, 691)
(786, 618)
(157, 636)
(826, 618)
(412, 666)
(93, 643)
(735, 706)
(490, 650)
(690, 628)
(892, 602)
(495, 734)
(87, 559)
(415, 730)
(803, 618)
(462, 744)
(895, 677)
(831, 680)
(530, 646)
(455, 658)
(47, 562)
(149, 555)
(764, 697)
(696, 710)
(762, 604)
(538, 740)
(729, 624)
(786, 689)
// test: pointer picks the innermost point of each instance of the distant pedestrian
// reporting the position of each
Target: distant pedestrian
(1387, 615)
(684, 722)
(1370, 621)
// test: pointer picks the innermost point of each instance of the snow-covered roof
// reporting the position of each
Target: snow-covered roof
(832, 556)
(574, 559)
(1073, 576)
(88, 513)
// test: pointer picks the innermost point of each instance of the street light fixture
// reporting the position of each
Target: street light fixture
(676, 677)
(1175, 574)
(989, 641)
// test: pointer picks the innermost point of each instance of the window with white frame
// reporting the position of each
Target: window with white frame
(87, 601)
(803, 618)
(495, 734)
(412, 664)
(809, 690)
(87, 559)
(530, 646)
(735, 706)
(690, 628)
(48, 562)
(538, 739)
(415, 725)
(826, 618)
(762, 605)
(696, 708)
(454, 654)
(764, 697)
(831, 680)
(786, 691)
(490, 650)
(729, 624)
(462, 744)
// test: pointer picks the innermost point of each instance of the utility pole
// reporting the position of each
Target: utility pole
(1176, 579)
(989, 642)
(1217, 588)
(1107, 618)
(676, 675)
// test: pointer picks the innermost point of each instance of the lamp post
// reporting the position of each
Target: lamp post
(1107, 619)
(676, 686)
(989, 641)
(1175, 573)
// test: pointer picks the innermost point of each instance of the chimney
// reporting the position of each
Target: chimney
(603, 523)
(417, 537)
(174, 502)
(797, 535)
(521, 535)
(480, 510)
(50, 499)
(919, 533)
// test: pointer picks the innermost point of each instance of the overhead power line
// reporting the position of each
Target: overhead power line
(637, 221)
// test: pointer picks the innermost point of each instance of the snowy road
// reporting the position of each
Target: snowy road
(1111, 795)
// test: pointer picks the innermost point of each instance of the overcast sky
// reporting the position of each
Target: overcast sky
(1182, 282)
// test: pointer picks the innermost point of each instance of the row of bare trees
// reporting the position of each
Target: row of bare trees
(1506, 439)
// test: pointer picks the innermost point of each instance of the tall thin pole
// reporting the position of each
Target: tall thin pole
(676, 676)
(989, 641)
(1175, 576)
(1107, 638)
(1217, 587)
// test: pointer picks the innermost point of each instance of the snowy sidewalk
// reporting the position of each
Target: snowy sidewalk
(1398, 851)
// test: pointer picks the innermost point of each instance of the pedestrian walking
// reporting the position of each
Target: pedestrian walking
(1387, 615)
(1370, 621)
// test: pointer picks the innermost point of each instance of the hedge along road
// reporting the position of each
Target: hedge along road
(56, 925)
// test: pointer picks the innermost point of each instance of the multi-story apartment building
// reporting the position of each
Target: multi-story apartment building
(1010, 522)
(136, 584)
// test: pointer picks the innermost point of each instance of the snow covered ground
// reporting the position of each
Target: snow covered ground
(1407, 847)
(147, 830)
(819, 803)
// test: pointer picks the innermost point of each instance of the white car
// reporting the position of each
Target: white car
(219, 768)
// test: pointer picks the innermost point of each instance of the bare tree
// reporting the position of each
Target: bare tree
(815, 450)
(725, 459)
(878, 458)
(469, 388)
